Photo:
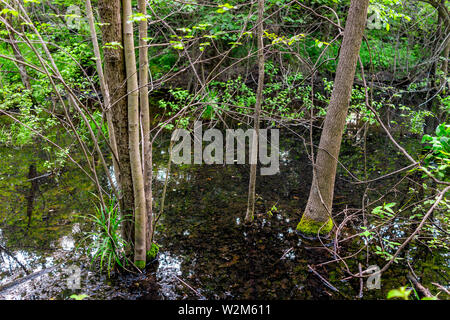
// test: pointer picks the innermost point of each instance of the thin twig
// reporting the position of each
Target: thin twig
(325, 281)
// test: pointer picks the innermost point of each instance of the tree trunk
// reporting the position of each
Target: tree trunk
(445, 56)
(115, 77)
(437, 80)
(146, 121)
(18, 55)
(259, 97)
(140, 217)
(104, 89)
(32, 174)
(317, 216)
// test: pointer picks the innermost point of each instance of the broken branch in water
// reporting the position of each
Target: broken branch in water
(26, 278)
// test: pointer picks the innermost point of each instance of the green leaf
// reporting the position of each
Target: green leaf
(429, 298)
(402, 293)
(79, 296)
(6, 11)
(225, 7)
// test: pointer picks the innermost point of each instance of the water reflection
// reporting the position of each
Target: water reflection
(205, 246)
(169, 266)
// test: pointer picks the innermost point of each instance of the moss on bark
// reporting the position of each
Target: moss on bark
(140, 264)
(312, 227)
(151, 254)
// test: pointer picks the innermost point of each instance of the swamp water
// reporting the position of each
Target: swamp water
(206, 250)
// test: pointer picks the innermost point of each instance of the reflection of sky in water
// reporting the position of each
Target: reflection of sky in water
(9, 265)
(290, 255)
(284, 156)
(113, 177)
(161, 175)
(32, 261)
(67, 243)
(169, 267)
(76, 228)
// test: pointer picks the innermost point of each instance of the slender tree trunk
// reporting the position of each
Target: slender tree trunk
(145, 112)
(22, 70)
(445, 56)
(140, 217)
(32, 174)
(436, 79)
(317, 216)
(115, 78)
(18, 55)
(259, 97)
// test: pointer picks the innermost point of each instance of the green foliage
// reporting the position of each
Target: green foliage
(234, 94)
(385, 210)
(384, 12)
(225, 7)
(106, 244)
(404, 293)
(69, 60)
(384, 253)
(96, 122)
(296, 43)
(272, 210)
(153, 252)
(381, 54)
(438, 159)
(79, 296)
(401, 293)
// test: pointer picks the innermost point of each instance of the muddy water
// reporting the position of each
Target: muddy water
(206, 250)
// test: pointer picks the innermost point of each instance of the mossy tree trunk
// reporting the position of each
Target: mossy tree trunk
(317, 216)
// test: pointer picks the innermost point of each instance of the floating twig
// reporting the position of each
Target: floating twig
(187, 285)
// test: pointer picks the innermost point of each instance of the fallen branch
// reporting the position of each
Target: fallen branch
(14, 258)
(419, 227)
(26, 278)
(441, 287)
(419, 286)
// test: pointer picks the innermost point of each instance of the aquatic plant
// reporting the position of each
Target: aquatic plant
(106, 243)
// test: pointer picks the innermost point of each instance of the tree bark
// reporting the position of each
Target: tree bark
(146, 121)
(317, 216)
(140, 217)
(115, 78)
(445, 56)
(104, 89)
(17, 54)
